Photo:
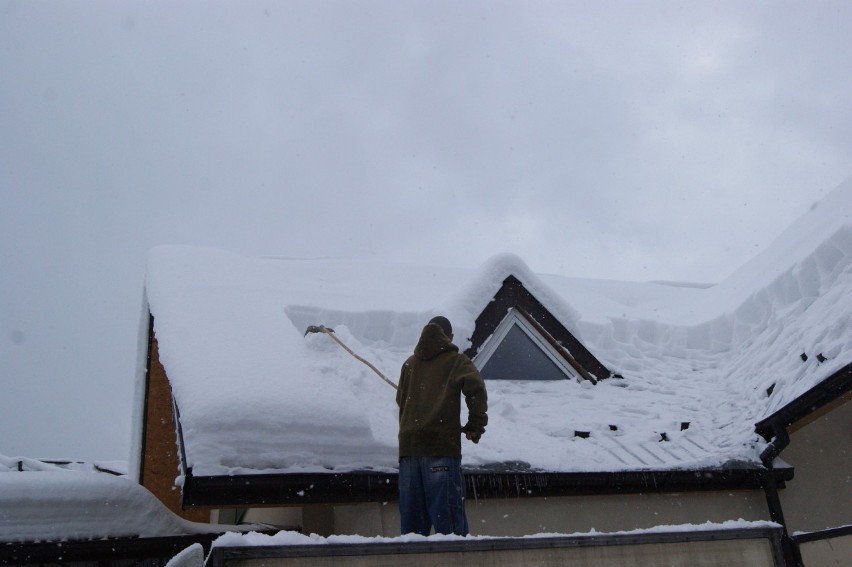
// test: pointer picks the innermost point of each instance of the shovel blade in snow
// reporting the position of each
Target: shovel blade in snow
(318, 329)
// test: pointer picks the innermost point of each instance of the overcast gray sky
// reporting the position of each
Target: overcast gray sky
(622, 140)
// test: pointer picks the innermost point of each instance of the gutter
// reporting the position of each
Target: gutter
(780, 440)
(229, 491)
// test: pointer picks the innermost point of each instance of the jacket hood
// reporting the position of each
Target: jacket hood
(433, 342)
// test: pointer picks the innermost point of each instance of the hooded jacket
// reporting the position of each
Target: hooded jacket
(431, 384)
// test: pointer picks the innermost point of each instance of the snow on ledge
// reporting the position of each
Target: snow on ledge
(290, 538)
(51, 503)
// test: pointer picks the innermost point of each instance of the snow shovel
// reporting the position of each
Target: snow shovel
(330, 333)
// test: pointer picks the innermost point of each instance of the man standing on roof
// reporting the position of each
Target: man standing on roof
(431, 383)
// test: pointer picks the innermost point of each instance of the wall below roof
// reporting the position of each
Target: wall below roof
(827, 551)
(818, 497)
(505, 517)
(612, 513)
(159, 463)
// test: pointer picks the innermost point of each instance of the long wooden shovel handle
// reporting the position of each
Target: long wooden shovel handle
(331, 334)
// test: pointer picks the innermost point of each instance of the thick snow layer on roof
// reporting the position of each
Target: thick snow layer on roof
(48, 502)
(256, 395)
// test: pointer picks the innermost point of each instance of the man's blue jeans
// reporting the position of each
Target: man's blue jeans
(431, 494)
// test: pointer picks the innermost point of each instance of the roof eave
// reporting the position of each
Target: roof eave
(369, 486)
(836, 389)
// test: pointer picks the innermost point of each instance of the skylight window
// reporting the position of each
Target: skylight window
(517, 351)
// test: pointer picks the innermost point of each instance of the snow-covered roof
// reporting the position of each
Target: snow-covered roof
(43, 501)
(256, 395)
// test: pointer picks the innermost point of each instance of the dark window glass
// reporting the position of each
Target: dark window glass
(518, 357)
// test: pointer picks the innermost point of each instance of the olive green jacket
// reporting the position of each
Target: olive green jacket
(431, 384)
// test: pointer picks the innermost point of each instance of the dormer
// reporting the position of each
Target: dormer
(517, 338)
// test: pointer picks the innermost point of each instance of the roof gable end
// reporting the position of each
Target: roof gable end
(513, 295)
